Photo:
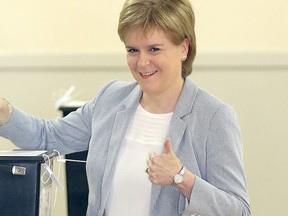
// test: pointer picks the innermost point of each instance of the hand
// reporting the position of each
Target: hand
(163, 167)
(5, 111)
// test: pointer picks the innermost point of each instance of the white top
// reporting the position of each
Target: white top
(131, 189)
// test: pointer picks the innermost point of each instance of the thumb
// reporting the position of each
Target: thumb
(168, 147)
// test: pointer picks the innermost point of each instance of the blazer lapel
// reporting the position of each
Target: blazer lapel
(177, 130)
(183, 107)
(119, 129)
(178, 126)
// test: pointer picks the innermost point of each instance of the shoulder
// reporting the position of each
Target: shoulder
(210, 104)
(217, 117)
(114, 94)
(194, 99)
(208, 109)
(208, 101)
(116, 89)
(117, 86)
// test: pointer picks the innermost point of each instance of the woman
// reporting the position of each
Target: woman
(157, 146)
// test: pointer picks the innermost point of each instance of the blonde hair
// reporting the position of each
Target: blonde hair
(175, 17)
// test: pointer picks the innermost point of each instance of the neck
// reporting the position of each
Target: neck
(161, 103)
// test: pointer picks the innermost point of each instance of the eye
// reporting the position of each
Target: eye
(132, 50)
(154, 49)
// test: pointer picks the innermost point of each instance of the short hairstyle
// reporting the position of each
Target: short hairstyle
(175, 17)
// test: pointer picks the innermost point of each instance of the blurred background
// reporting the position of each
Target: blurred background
(48, 46)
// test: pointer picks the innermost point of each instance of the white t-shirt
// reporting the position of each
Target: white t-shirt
(131, 188)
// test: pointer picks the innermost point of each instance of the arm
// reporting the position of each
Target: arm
(66, 135)
(223, 190)
(69, 134)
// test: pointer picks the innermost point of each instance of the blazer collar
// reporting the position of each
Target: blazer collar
(186, 100)
(134, 97)
(184, 104)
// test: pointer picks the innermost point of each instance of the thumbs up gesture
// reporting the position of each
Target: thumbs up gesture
(163, 167)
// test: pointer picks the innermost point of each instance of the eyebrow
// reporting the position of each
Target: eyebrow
(156, 44)
(129, 47)
(152, 45)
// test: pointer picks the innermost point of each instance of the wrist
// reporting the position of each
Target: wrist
(5, 112)
(186, 186)
(178, 178)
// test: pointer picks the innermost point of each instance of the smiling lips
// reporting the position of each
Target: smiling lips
(149, 73)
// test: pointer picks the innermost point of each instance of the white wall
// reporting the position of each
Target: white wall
(84, 26)
(46, 46)
(242, 26)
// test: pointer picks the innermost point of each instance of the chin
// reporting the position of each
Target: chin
(148, 90)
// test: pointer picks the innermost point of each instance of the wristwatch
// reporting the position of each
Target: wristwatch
(179, 177)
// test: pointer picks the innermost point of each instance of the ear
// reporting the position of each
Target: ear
(185, 47)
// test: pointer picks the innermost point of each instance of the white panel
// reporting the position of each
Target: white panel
(116, 61)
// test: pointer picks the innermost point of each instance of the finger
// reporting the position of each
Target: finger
(152, 155)
(167, 146)
(148, 162)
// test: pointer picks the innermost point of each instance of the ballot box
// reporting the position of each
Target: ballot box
(25, 183)
(77, 184)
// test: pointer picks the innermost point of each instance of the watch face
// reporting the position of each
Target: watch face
(178, 178)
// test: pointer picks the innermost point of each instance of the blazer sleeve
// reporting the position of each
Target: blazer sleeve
(66, 134)
(223, 191)
(69, 134)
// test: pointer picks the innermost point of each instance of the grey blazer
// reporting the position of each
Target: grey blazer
(205, 136)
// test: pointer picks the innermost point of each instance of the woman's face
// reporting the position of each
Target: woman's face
(155, 62)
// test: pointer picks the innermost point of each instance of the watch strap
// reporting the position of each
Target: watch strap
(182, 170)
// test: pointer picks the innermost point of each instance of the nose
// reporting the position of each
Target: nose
(143, 59)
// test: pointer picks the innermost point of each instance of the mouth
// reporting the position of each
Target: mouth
(148, 73)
